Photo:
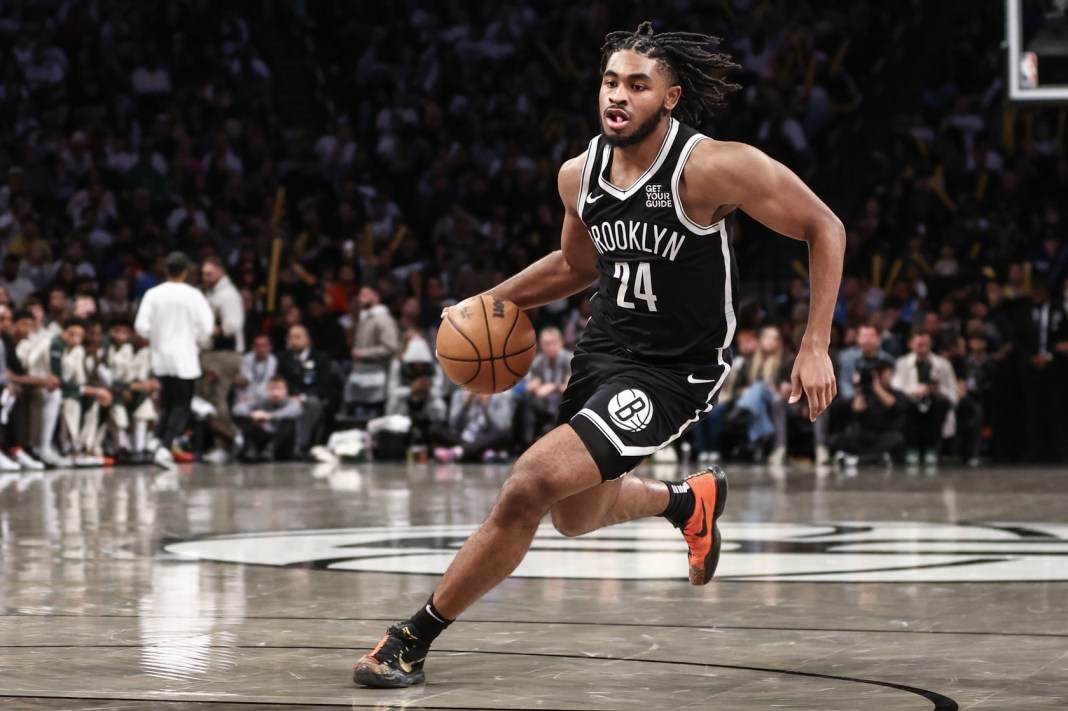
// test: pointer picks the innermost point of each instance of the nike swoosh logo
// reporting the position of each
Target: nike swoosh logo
(591, 199)
(405, 666)
(691, 379)
(704, 522)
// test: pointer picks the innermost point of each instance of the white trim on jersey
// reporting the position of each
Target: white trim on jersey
(728, 289)
(587, 173)
(619, 194)
(676, 177)
(633, 451)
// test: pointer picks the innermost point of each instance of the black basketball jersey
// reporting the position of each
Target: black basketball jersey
(667, 284)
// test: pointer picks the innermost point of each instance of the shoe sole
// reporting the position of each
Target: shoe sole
(396, 679)
(702, 576)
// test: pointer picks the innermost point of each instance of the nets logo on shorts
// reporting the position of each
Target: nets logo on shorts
(630, 410)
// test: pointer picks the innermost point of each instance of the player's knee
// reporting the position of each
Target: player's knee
(568, 524)
(526, 494)
(521, 500)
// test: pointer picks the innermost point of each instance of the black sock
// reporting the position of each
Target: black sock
(681, 503)
(430, 622)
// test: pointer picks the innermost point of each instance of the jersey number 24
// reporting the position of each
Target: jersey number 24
(643, 285)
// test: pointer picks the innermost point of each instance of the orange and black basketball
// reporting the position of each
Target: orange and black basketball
(486, 344)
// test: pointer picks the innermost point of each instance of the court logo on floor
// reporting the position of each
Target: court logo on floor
(891, 552)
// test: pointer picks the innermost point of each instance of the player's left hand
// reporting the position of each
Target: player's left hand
(814, 374)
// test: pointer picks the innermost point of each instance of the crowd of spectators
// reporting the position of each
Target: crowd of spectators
(129, 130)
(950, 331)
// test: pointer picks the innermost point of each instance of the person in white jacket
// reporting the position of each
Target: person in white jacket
(177, 321)
(928, 380)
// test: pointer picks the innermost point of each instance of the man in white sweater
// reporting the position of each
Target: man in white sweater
(177, 321)
(931, 386)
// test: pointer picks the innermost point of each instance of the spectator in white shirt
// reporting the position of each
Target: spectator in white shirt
(177, 320)
(928, 381)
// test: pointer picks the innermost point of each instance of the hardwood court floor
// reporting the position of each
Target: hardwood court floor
(240, 588)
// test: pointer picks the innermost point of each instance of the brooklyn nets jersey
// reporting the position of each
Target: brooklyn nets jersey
(667, 284)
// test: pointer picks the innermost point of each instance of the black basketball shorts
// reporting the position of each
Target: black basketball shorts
(624, 410)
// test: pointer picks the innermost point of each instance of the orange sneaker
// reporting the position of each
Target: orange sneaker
(396, 662)
(701, 531)
(181, 456)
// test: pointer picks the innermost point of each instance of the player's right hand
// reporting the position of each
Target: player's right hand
(813, 374)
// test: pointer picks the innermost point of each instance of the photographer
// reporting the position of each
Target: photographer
(928, 380)
(877, 412)
(415, 388)
(865, 355)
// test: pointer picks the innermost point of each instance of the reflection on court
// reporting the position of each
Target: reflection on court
(213, 588)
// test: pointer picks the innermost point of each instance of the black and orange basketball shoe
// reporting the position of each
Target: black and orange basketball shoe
(701, 531)
(396, 662)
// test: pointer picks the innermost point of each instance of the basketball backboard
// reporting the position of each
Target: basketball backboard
(1037, 35)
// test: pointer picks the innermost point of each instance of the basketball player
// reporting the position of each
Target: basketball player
(647, 215)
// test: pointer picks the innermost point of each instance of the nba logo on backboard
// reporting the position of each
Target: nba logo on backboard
(630, 410)
(1029, 70)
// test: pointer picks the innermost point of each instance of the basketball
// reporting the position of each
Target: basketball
(486, 344)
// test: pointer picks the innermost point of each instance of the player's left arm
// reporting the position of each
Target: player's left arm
(769, 192)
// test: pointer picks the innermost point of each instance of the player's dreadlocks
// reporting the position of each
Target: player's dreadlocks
(688, 61)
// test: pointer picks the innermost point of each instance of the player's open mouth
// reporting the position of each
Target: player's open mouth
(616, 118)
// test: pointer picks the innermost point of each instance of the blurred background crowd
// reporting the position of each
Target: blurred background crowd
(389, 159)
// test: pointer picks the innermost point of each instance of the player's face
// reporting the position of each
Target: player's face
(636, 97)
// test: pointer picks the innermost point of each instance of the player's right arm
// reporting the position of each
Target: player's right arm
(569, 269)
